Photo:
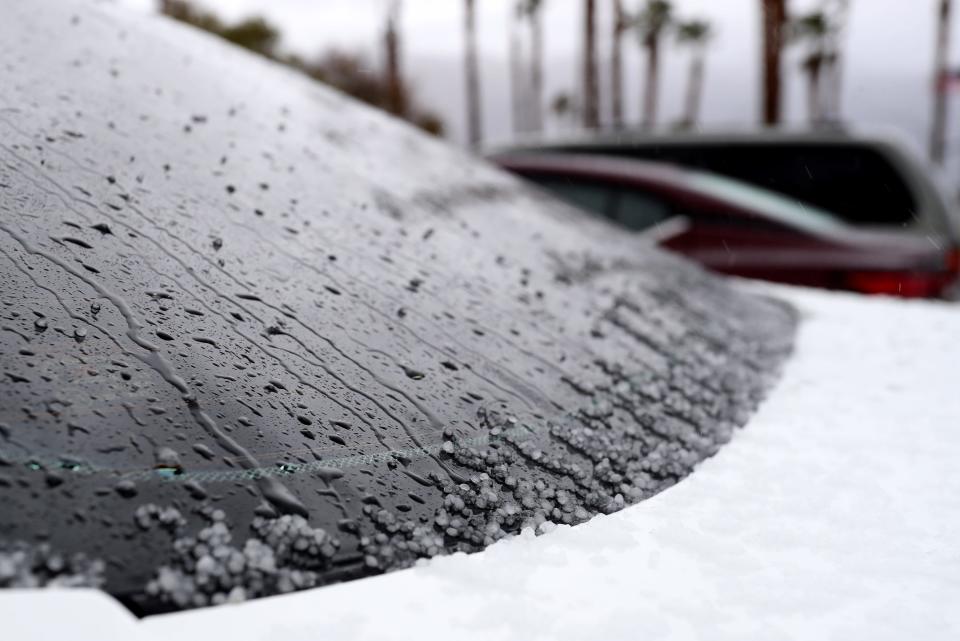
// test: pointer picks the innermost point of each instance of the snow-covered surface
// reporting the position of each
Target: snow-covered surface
(834, 514)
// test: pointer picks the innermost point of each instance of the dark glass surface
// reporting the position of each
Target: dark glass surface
(256, 337)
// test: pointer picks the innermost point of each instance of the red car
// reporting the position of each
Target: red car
(738, 229)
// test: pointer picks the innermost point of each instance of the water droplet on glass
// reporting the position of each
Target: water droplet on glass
(126, 489)
(204, 451)
(412, 373)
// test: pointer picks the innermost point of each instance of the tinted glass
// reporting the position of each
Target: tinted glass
(593, 197)
(638, 211)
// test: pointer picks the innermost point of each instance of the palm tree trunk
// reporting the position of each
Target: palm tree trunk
(813, 94)
(835, 68)
(774, 17)
(591, 107)
(650, 88)
(938, 129)
(536, 72)
(472, 75)
(616, 64)
(832, 79)
(395, 94)
(694, 90)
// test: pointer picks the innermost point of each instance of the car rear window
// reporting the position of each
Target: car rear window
(632, 208)
(638, 210)
(592, 196)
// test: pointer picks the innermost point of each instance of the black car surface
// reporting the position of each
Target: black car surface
(256, 337)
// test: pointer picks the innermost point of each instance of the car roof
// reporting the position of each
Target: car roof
(708, 135)
(586, 164)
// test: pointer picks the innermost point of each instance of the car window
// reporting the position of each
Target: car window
(591, 196)
(638, 210)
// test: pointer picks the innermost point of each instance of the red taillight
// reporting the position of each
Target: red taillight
(906, 284)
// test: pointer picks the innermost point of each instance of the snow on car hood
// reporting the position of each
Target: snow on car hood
(833, 514)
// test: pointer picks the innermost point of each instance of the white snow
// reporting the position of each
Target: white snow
(835, 514)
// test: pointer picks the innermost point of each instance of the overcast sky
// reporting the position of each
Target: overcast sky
(889, 47)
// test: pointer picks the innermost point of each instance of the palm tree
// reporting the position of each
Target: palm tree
(591, 97)
(532, 12)
(652, 22)
(694, 34)
(839, 10)
(821, 30)
(774, 20)
(472, 75)
(813, 64)
(621, 23)
(391, 38)
(564, 108)
(939, 125)
(815, 29)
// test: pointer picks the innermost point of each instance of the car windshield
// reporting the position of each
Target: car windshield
(249, 345)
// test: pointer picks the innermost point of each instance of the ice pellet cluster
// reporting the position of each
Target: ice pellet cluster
(167, 518)
(634, 435)
(34, 566)
(285, 554)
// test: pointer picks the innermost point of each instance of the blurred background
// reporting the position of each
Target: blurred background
(800, 141)
(872, 62)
